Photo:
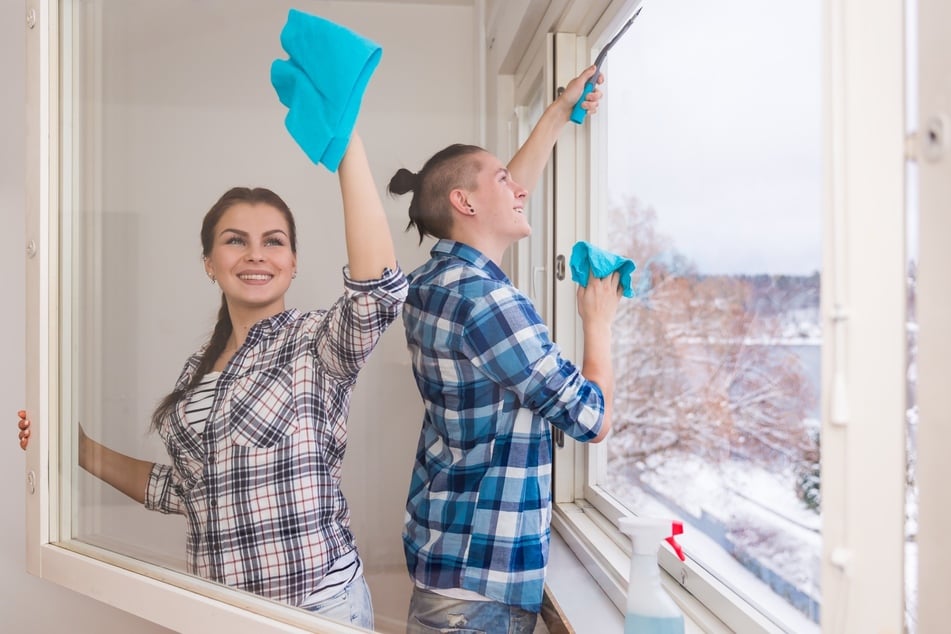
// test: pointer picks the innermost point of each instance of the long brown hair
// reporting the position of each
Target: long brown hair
(223, 327)
(430, 210)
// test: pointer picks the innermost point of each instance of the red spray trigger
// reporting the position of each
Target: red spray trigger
(676, 528)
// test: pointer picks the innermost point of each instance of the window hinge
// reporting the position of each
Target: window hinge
(931, 142)
(935, 138)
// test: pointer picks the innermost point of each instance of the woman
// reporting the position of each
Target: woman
(256, 424)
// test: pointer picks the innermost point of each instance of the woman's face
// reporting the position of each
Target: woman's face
(251, 258)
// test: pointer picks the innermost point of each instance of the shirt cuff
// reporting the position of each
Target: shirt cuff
(392, 283)
(156, 490)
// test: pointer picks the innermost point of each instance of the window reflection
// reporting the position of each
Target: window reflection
(715, 192)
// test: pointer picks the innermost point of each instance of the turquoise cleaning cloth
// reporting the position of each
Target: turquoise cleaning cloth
(587, 258)
(322, 83)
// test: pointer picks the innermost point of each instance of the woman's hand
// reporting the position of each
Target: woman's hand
(24, 425)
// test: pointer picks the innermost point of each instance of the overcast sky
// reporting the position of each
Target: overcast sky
(715, 123)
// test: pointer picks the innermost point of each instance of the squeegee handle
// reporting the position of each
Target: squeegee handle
(578, 113)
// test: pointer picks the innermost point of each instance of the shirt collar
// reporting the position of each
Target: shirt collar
(451, 248)
(275, 323)
(258, 331)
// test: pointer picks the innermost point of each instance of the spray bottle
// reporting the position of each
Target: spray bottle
(650, 610)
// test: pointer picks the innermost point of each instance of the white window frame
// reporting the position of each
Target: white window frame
(863, 310)
(934, 313)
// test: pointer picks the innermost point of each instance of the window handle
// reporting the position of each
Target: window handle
(535, 271)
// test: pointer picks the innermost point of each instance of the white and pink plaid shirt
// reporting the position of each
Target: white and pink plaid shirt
(259, 482)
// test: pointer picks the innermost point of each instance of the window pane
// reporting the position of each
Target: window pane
(110, 387)
(533, 252)
(166, 105)
(714, 187)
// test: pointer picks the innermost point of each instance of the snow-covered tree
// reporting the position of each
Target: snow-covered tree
(696, 363)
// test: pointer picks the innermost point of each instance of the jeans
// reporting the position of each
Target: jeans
(431, 613)
(351, 605)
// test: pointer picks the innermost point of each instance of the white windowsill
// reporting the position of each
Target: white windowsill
(586, 606)
(577, 579)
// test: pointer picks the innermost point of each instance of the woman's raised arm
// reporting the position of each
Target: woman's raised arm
(369, 242)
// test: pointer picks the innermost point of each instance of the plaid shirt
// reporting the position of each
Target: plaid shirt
(259, 486)
(479, 504)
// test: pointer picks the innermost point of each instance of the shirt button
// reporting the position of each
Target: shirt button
(213, 503)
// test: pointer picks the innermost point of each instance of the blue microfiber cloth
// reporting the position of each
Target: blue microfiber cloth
(587, 258)
(322, 83)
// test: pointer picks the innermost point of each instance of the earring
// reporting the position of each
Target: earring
(212, 278)
(471, 210)
(294, 276)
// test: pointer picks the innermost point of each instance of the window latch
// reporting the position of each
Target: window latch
(560, 268)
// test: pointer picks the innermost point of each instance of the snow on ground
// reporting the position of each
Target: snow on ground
(763, 515)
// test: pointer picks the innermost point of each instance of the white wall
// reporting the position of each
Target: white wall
(172, 146)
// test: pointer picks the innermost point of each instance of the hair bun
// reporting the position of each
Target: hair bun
(403, 181)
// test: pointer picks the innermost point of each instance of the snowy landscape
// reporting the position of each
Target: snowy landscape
(717, 421)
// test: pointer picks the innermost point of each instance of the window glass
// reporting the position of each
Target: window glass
(112, 170)
(164, 107)
(535, 249)
(714, 183)
(534, 270)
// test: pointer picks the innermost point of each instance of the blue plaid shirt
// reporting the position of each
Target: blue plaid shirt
(259, 485)
(491, 379)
